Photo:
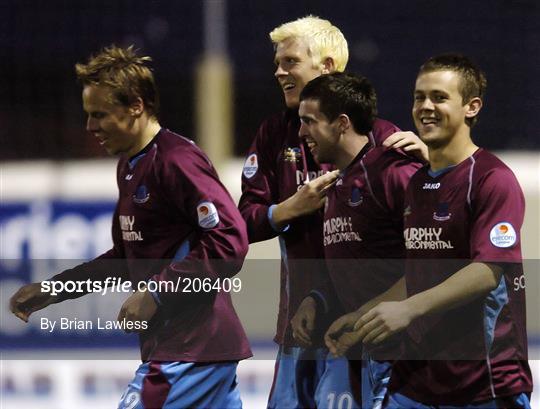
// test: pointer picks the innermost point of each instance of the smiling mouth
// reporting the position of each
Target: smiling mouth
(101, 141)
(311, 145)
(429, 121)
(288, 87)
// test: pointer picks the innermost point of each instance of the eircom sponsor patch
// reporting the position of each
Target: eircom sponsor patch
(503, 235)
(251, 166)
(208, 215)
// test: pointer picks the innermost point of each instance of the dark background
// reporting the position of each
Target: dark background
(40, 41)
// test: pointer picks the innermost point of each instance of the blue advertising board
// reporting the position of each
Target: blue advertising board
(40, 239)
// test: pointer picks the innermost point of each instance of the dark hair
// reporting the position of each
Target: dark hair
(344, 93)
(125, 73)
(472, 82)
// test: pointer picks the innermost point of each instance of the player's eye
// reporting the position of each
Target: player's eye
(289, 61)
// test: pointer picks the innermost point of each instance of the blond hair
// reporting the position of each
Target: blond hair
(324, 40)
(126, 73)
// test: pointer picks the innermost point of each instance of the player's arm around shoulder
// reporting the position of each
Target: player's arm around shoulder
(408, 142)
(389, 172)
(397, 176)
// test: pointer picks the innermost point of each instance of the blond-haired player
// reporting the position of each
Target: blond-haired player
(280, 198)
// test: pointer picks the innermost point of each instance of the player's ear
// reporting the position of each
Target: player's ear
(344, 122)
(136, 108)
(328, 65)
(473, 107)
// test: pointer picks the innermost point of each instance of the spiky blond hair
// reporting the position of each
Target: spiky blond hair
(324, 40)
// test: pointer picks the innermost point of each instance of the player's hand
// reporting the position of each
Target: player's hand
(303, 322)
(140, 306)
(409, 142)
(308, 199)
(384, 321)
(312, 195)
(340, 336)
(29, 299)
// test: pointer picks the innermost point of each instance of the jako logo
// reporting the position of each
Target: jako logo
(431, 186)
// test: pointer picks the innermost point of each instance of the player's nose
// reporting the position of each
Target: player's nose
(91, 124)
(280, 72)
(303, 131)
(427, 104)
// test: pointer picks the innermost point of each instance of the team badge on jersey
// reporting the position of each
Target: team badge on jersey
(407, 211)
(356, 198)
(141, 194)
(292, 155)
(251, 166)
(503, 235)
(442, 214)
(208, 215)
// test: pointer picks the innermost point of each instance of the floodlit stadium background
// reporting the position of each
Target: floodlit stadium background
(213, 64)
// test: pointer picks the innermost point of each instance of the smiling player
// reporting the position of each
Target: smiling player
(465, 320)
(363, 218)
(280, 198)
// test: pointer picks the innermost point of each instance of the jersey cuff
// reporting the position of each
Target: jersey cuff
(271, 221)
(155, 295)
(322, 305)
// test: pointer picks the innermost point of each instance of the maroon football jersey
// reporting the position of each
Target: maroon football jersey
(277, 165)
(174, 219)
(471, 212)
(363, 225)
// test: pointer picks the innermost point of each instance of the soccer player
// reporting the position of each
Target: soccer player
(281, 198)
(466, 343)
(363, 217)
(174, 213)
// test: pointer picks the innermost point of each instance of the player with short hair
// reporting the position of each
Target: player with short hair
(280, 198)
(363, 216)
(173, 220)
(466, 338)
